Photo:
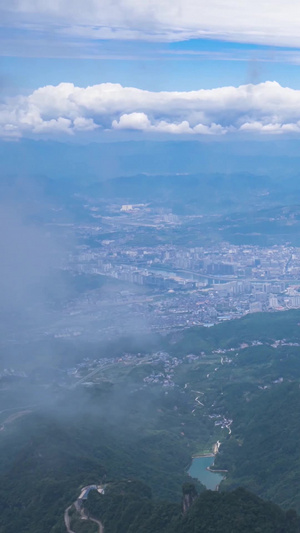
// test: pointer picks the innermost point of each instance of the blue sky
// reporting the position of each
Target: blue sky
(182, 66)
(153, 46)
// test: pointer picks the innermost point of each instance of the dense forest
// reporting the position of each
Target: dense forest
(47, 456)
(138, 438)
(128, 506)
(263, 451)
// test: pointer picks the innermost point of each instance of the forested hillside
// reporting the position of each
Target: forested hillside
(128, 506)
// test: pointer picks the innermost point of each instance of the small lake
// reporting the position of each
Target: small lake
(198, 469)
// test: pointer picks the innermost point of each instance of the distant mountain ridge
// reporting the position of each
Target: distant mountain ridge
(100, 161)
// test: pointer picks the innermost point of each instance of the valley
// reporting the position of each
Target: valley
(146, 415)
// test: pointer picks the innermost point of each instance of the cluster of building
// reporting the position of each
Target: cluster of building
(164, 281)
(182, 287)
(165, 376)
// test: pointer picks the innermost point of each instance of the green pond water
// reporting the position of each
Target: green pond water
(198, 469)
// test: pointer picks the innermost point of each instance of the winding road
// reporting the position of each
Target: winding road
(67, 519)
(80, 510)
(100, 525)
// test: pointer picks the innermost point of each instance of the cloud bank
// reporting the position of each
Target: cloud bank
(65, 110)
(258, 21)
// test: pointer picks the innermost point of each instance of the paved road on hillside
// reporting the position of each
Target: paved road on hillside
(81, 513)
(100, 525)
(67, 520)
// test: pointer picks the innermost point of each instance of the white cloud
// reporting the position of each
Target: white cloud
(273, 128)
(140, 121)
(177, 128)
(59, 125)
(84, 124)
(265, 108)
(258, 21)
(132, 121)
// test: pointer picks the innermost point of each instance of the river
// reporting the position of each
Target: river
(198, 469)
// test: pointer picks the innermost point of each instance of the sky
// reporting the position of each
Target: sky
(95, 69)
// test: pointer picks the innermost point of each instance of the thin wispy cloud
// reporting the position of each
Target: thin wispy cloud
(154, 20)
(38, 46)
